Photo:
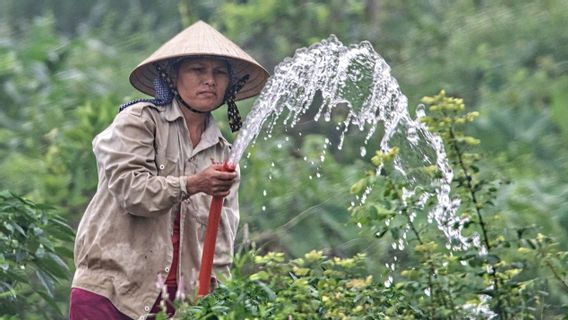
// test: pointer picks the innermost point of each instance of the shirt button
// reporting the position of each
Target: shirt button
(147, 308)
(167, 269)
(162, 167)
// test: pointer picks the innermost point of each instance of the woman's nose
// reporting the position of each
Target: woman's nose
(209, 78)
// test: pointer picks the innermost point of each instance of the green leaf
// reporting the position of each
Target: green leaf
(54, 265)
(50, 300)
(379, 234)
(260, 276)
(46, 281)
(64, 251)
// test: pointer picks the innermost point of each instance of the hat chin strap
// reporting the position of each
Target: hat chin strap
(183, 103)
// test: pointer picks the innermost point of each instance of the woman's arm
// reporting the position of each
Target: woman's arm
(126, 153)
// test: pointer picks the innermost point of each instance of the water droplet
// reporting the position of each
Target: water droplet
(279, 146)
(412, 135)
(263, 208)
(264, 193)
(363, 151)
(420, 111)
(401, 244)
(272, 164)
(412, 216)
(388, 282)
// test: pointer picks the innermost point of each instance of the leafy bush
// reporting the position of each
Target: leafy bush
(504, 273)
(34, 241)
(311, 287)
(507, 271)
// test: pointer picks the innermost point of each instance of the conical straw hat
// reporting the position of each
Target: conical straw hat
(200, 39)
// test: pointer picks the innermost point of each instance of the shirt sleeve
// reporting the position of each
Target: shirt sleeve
(126, 153)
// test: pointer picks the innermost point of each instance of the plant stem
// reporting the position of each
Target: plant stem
(468, 179)
(472, 193)
(432, 269)
(555, 273)
(412, 227)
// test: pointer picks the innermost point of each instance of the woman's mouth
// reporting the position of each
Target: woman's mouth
(207, 93)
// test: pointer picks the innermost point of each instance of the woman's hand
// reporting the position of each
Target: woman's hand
(212, 181)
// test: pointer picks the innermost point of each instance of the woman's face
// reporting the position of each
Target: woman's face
(202, 82)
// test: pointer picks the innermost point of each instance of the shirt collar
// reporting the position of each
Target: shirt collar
(212, 134)
(172, 112)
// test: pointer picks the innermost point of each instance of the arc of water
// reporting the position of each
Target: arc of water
(358, 78)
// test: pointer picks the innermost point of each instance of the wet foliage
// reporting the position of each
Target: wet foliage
(508, 271)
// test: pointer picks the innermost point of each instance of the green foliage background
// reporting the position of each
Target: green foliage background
(64, 67)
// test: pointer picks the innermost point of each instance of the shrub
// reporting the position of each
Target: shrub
(34, 241)
(505, 271)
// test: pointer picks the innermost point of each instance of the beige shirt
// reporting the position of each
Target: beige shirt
(123, 248)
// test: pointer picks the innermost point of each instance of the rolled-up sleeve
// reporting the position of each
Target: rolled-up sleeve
(126, 152)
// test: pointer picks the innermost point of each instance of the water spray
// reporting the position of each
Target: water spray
(357, 78)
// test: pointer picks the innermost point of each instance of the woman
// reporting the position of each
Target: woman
(159, 163)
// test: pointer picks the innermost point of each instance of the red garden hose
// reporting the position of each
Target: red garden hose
(211, 239)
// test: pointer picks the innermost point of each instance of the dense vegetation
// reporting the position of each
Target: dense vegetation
(63, 72)
(515, 272)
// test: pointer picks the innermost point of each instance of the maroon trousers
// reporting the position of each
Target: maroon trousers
(86, 305)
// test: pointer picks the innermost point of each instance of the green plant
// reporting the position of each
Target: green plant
(34, 243)
(495, 276)
(506, 272)
(311, 287)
